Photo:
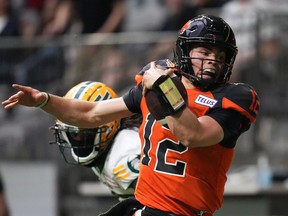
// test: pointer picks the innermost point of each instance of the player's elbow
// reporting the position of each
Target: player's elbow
(195, 140)
(190, 140)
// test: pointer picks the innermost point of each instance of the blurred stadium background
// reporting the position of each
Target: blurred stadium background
(39, 182)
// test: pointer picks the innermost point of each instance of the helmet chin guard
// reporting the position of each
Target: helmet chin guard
(206, 30)
(84, 160)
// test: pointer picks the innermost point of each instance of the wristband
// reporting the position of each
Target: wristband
(170, 95)
(47, 97)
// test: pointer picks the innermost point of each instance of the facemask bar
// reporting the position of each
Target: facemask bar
(199, 82)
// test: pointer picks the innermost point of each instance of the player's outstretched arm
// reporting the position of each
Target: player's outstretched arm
(70, 111)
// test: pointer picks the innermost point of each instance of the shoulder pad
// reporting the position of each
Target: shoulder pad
(163, 64)
(242, 98)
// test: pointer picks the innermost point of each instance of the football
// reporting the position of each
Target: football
(154, 105)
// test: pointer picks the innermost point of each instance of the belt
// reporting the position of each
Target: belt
(147, 211)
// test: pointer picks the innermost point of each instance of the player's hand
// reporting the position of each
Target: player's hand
(26, 96)
(151, 75)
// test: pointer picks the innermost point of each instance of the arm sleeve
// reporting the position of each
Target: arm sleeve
(233, 124)
(133, 99)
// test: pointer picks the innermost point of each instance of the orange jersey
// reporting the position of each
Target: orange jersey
(178, 179)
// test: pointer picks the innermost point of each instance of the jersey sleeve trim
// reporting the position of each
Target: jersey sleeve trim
(228, 104)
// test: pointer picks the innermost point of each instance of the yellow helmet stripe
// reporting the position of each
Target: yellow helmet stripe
(103, 97)
(87, 89)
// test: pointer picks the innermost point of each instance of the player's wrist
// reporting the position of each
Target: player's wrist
(44, 102)
(170, 95)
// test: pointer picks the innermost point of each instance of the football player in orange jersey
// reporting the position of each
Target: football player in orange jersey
(192, 118)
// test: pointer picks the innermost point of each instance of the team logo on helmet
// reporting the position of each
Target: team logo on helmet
(185, 27)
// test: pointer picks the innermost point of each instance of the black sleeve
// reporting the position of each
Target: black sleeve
(233, 125)
(133, 99)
